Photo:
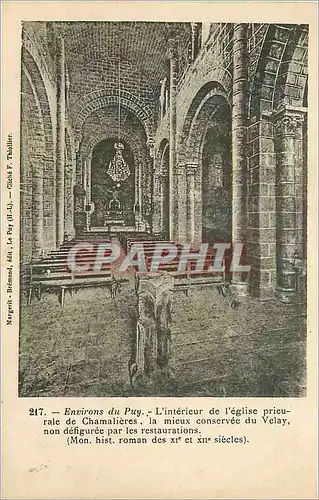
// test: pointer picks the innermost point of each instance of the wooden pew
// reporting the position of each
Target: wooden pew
(65, 281)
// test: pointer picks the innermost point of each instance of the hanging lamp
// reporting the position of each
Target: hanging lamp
(118, 169)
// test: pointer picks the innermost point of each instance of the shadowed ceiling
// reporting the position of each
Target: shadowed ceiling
(142, 44)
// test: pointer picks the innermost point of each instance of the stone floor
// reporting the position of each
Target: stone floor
(84, 348)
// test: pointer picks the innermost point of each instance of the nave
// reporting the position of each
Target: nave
(145, 134)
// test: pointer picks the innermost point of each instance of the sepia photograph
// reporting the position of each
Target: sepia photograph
(163, 209)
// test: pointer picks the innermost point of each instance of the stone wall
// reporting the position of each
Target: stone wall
(38, 145)
(276, 59)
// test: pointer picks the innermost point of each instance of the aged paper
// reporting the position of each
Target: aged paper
(132, 134)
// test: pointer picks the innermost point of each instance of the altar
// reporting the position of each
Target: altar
(113, 222)
(114, 214)
(114, 187)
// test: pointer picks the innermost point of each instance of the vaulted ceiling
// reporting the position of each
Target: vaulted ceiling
(142, 44)
(94, 51)
(105, 60)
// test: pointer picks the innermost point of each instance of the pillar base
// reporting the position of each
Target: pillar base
(37, 254)
(239, 290)
(286, 295)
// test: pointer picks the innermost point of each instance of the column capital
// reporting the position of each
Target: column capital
(60, 43)
(150, 146)
(41, 157)
(180, 169)
(195, 27)
(77, 142)
(163, 173)
(288, 119)
(48, 158)
(191, 168)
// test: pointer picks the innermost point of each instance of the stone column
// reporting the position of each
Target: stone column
(289, 190)
(60, 139)
(68, 199)
(49, 200)
(85, 174)
(195, 35)
(156, 216)
(140, 199)
(149, 188)
(162, 98)
(163, 200)
(37, 206)
(181, 203)
(73, 185)
(239, 157)
(153, 329)
(172, 54)
(191, 169)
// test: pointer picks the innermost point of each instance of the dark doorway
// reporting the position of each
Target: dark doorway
(216, 182)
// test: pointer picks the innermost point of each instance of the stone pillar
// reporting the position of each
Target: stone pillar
(73, 185)
(289, 192)
(79, 173)
(195, 40)
(37, 206)
(149, 185)
(172, 54)
(139, 197)
(153, 330)
(156, 216)
(60, 139)
(49, 204)
(262, 207)
(68, 200)
(85, 174)
(162, 98)
(181, 203)
(239, 157)
(191, 169)
(163, 200)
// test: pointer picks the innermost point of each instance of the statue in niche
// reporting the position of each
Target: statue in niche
(114, 206)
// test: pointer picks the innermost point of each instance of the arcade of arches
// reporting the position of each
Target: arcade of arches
(209, 122)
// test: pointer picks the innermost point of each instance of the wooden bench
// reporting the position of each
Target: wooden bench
(63, 281)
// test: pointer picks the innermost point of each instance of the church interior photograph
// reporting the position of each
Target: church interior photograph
(163, 209)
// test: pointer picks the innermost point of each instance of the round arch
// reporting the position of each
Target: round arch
(102, 99)
(163, 147)
(33, 70)
(212, 106)
(31, 67)
(104, 189)
(210, 90)
(88, 146)
(161, 197)
(292, 77)
(208, 111)
(32, 166)
(281, 72)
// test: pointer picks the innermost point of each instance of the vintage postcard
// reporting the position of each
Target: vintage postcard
(159, 250)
